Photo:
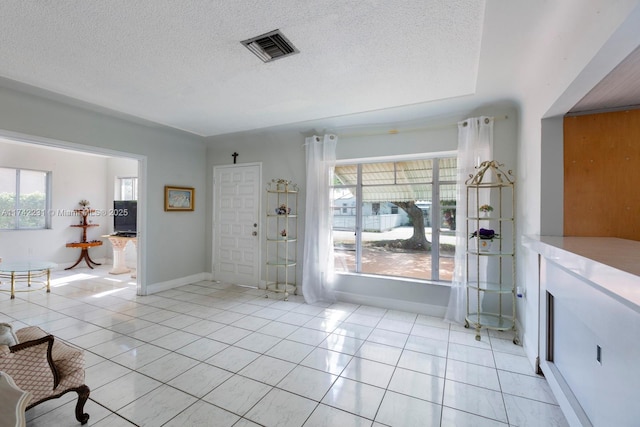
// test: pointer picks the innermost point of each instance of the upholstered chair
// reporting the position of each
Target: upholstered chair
(47, 367)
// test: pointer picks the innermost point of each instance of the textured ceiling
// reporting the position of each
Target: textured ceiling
(181, 63)
(362, 63)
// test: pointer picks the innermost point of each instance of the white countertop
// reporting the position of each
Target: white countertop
(610, 264)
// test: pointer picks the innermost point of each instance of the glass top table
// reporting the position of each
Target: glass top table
(26, 271)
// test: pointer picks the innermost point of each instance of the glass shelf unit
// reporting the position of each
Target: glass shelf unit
(282, 237)
(490, 275)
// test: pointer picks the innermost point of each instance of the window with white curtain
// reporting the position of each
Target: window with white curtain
(25, 199)
(401, 218)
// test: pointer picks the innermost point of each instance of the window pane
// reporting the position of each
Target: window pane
(7, 198)
(23, 199)
(448, 207)
(414, 171)
(378, 173)
(395, 244)
(345, 175)
(128, 188)
(397, 220)
(33, 199)
(400, 193)
(447, 257)
(448, 169)
(447, 230)
(344, 228)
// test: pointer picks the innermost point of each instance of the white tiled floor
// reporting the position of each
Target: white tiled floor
(214, 354)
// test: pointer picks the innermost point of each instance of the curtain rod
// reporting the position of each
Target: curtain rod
(331, 136)
(397, 131)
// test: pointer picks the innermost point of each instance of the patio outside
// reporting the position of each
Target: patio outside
(393, 261)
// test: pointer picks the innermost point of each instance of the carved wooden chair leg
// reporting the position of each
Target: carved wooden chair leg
(83, 395)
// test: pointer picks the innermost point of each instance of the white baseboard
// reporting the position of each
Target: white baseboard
(181, 281)
(530, 346)
(573, 412)
(392, 304)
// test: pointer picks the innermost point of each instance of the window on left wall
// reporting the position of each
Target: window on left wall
(25, 199)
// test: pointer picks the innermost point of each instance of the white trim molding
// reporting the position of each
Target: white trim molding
(181, 281)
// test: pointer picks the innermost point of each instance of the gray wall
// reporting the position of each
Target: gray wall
(282, 155)
(174, 242)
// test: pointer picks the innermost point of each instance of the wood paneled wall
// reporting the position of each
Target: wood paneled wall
(602, 175)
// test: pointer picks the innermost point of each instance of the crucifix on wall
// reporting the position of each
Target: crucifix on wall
(235, 157)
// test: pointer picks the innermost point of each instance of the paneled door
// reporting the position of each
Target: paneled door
(236, 224)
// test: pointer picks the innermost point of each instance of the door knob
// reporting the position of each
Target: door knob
(255, 233)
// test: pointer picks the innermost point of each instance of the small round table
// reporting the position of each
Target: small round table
(84, 252)
(26, 271)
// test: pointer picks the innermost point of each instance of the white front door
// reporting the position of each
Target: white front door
(236, 224)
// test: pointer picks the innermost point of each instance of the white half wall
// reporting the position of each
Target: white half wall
(557, 83)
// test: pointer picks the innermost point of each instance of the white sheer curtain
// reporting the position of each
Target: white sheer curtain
(317, 267)
(475, 145)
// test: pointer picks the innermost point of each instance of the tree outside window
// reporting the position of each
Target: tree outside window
(392, 227)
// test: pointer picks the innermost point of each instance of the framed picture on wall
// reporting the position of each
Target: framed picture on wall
(179, 198)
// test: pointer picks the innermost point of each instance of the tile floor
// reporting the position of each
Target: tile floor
(215, 354)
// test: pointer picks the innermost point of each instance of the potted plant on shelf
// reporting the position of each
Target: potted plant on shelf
(484, 238)
(283, 210)
(485, 209)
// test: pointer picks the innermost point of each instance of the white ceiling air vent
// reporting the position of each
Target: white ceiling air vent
(270, 46)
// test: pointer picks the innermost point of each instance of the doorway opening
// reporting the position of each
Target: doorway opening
(78, 173)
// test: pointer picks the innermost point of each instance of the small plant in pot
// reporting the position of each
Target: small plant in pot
(283, 210)
(485, 209)
(484, 237)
